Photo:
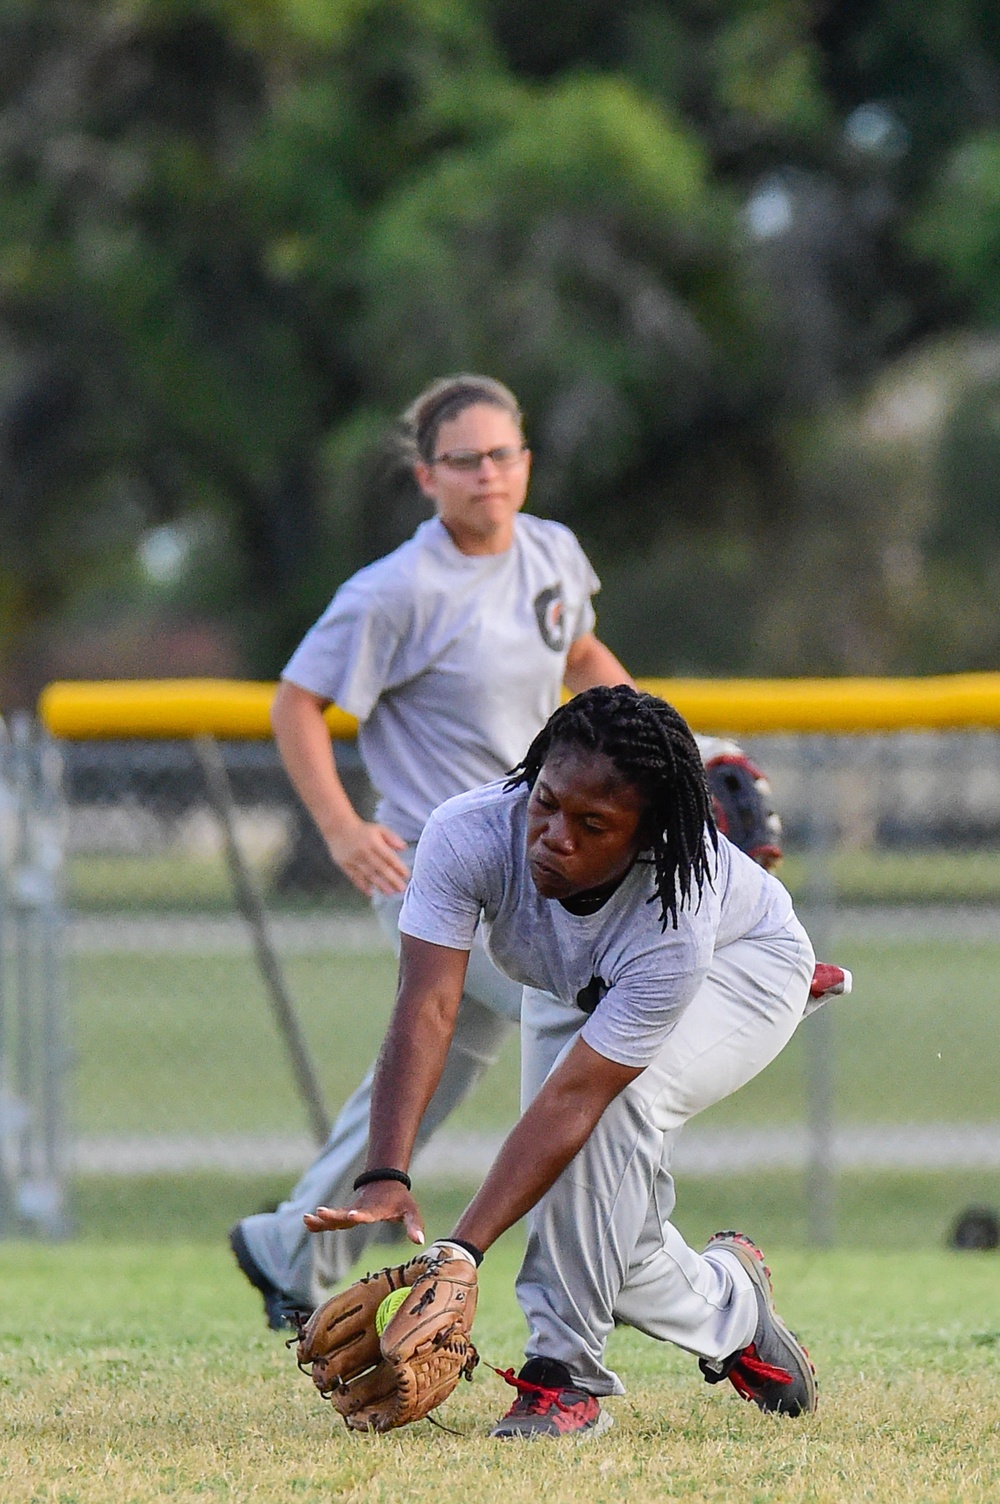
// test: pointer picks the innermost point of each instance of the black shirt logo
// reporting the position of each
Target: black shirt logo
(551, 617)
(588, 997)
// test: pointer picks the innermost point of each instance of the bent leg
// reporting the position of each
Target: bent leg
(601, 1246)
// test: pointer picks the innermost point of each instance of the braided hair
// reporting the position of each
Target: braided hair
(652, 748)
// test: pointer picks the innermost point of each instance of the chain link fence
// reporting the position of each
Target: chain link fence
(34, 1074)
(186, 1060)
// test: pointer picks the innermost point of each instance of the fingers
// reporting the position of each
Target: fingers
(369, 858)
(414, 1231)
(380, 1202)
(336, 1219)
(382, 867)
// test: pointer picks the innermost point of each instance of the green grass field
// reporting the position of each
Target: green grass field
(135, 1373)
(134, 1364)
(181, 1043)
(181, 882)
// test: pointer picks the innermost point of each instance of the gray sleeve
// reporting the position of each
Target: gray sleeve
(353, 652)
(631, 1022)
(442, 903)
(585, 619)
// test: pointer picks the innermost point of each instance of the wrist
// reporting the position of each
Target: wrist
(462, 1247)
(372, 1177)
(340, 827)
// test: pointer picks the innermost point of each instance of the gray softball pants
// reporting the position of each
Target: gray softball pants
(601, 1247)
(305, 1264)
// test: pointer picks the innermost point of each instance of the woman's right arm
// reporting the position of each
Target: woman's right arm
(410, 1063)
(365, 852)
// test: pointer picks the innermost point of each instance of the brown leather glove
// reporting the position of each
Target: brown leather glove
(377, 1383)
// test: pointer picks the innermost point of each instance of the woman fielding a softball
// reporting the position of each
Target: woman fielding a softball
(662, 970)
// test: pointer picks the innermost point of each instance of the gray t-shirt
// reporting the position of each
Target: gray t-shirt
(452, 663)
(618, 965)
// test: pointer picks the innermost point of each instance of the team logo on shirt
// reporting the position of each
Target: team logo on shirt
(551, 616)
(588, 997)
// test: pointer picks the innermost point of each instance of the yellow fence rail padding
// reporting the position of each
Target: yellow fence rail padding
(164, 709)
(239, 710)
(834, 706)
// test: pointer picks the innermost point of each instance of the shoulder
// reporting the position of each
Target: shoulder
(389, 585)
(491, 807)
(558, 543)
(547, 533)
(471, 841)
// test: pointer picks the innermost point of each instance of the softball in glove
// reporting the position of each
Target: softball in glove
(378, 1383)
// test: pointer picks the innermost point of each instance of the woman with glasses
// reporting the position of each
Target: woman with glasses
(451, 652)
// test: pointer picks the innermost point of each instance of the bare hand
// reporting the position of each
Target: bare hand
(367, 855)
(383, 1201)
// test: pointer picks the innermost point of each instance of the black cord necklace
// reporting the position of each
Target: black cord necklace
(589, 903)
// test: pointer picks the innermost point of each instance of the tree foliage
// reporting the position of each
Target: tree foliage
(239, 237)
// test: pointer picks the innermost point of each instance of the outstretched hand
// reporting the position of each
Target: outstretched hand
(383, 1201)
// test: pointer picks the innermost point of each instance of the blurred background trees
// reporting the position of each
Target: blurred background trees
(737, 257)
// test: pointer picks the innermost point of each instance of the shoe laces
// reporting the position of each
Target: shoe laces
(532, 1399)
(750, 1362)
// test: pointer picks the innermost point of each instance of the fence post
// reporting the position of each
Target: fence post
(818, 910)
(32, 1106)
(8, 827)
(250, 903)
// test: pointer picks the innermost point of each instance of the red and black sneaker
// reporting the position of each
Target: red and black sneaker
(774, 1371)
(549, 1404)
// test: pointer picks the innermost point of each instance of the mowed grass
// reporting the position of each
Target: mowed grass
(175, 880)
(875, 1210)
(141, 1373)
(177, 1043)
(134, 1364)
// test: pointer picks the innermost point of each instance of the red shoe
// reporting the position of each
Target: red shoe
(549, 1404)
(774, 1371)
(827, 982)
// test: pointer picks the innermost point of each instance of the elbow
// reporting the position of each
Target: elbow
(279, 709)
(579, 1111)
(293, 709)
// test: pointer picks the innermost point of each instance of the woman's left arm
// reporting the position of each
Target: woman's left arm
(589, 663)
(540, 1146)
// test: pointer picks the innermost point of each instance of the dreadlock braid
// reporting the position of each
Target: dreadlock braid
(650, 744)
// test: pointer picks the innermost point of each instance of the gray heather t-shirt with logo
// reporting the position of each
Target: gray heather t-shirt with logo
(452, 663)
(618, 965)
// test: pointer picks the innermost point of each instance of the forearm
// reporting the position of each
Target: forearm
(306, 752)
(414, 1050)
(406, 1076)
(589, 662)
(552, 1131)
(532, 1158)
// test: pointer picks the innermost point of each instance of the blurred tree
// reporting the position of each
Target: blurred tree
(239, 234)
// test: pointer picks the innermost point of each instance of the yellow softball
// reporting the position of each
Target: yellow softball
(389, 1307)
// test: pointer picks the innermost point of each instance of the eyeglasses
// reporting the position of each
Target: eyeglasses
(471, 459)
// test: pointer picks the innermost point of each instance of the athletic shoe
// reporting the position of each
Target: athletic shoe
(827, 982)
(549, 1404)
(830, 981)
(774, 1371)
(281, 1310)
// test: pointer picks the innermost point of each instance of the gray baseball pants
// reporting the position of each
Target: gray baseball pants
(601, 1247)
(305, 1264)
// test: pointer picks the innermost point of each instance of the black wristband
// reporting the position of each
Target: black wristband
(369, 1177)
(477, 1253)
